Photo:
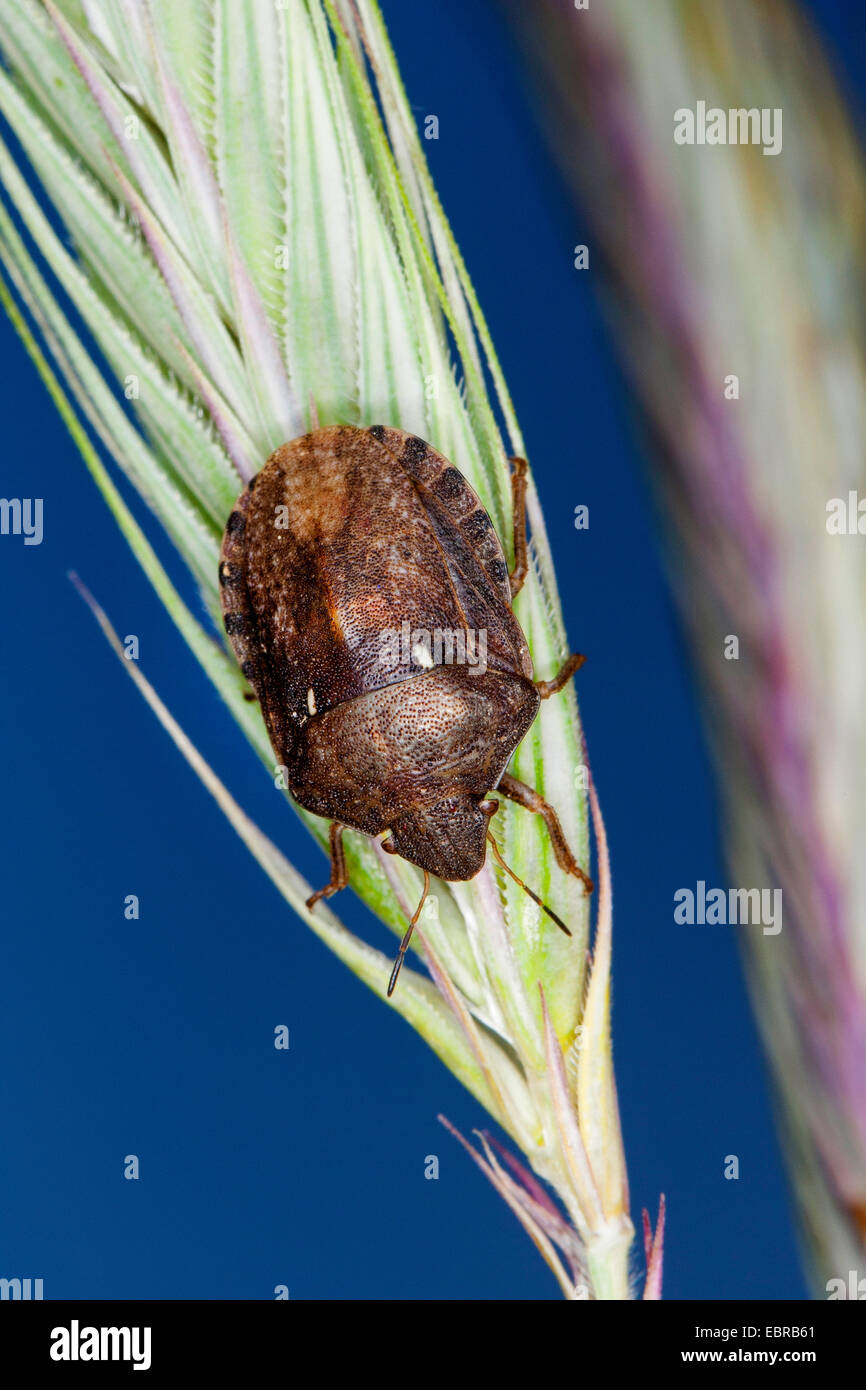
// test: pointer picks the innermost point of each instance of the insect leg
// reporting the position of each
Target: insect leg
(548, 688)
(339, 872)
(518, 515)
(518, 791)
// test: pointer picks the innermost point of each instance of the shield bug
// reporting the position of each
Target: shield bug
(341, 562)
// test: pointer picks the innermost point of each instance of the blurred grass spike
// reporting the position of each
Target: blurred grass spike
(738, 290)
(256, 251)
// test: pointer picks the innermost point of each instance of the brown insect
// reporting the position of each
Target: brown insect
(345, 556)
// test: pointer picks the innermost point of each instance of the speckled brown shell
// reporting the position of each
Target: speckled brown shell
(346, 534)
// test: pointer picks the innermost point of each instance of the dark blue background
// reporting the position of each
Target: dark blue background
(156, 1037)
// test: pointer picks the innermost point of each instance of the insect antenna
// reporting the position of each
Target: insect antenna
(404, 944)
(534, 896)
